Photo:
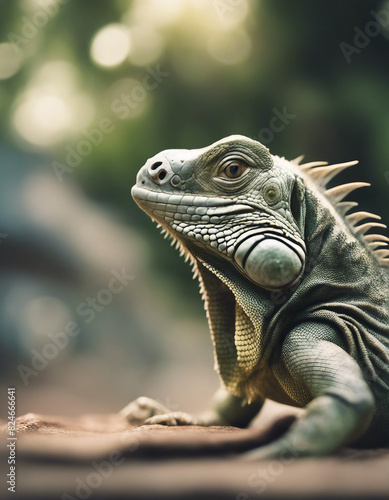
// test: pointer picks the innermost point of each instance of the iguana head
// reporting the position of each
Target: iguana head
(233, 200)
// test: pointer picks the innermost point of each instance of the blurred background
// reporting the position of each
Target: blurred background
(96, 308)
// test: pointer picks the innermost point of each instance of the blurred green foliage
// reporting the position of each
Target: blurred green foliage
(230, 64)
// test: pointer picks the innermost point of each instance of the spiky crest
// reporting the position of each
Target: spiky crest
(184, 252)
(298, 160)
(321, 173)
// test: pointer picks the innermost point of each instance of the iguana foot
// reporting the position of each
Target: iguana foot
(141, 409)
(330, 422)
(148, 411)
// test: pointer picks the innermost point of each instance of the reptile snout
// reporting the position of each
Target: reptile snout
(159, 170)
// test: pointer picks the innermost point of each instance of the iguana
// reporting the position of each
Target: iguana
(296, 292)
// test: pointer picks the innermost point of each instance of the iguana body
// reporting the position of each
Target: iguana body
(296, 293)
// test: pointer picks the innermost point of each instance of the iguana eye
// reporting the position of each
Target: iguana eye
(233, 170)
(272, 194)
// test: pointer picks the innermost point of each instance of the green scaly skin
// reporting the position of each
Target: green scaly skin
(296, 293)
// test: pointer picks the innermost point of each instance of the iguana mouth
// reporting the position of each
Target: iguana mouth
(169, 205)
(262, 250)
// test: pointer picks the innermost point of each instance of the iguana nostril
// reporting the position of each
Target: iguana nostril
(159, 170)
(155, 165)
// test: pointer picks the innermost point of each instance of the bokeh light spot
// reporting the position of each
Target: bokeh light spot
(61, 75)
(229, 13)
(146, 46)
(10, 60)
(41, 119)
(157, 12)
(111, 45)
(229, 47)
(51, 112)
(52, 107)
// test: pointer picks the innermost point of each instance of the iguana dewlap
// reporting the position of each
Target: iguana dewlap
(296, 292)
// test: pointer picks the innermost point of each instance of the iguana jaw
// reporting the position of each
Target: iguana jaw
(263, 252)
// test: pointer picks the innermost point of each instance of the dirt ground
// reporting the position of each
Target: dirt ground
(102, 457)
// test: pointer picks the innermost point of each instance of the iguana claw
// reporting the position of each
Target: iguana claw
(173, 418)
(142, 409)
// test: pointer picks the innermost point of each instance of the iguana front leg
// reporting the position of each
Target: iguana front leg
(342, 403)
(226, 410)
